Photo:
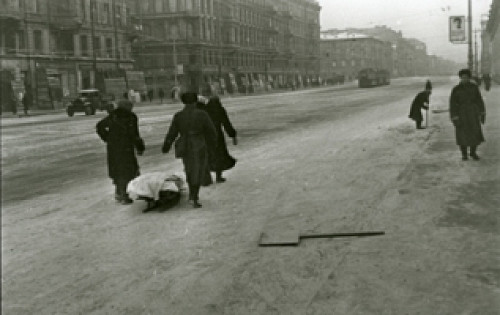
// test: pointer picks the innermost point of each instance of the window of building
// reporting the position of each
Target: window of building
(118, 12)
(109, 47)
(334, 64)
(189, 5)
(353, 63)
(158, 6)
(21, 40)
(193, 59)
(37, 39)
(84, 47)
(180, 5)
(343, 63)
(97, 46)
(10, 42)
(106, 14)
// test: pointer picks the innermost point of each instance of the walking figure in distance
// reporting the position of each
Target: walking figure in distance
(467, 112)
(120, 131)
(161, 94)
(223, 160)
(194, 135)
(420, 101)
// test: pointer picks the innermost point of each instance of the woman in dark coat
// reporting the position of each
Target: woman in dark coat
(197, 136)
(120, 131)
(222, 159)
(420, 101)
(467, 112)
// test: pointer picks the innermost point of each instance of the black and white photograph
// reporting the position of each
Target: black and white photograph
(247, 157)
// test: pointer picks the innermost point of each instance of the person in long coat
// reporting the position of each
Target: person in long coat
(27, 101)
(222, 159)
(467, 112)
(421, 101)
(194, 135)
(120, 131)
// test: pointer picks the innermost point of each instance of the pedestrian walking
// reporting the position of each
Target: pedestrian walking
(194, 135)
(27, 101)
(161, 94)
(428, 85)
(150, 95)
(467, 112)
(421, 101)
(222, 159)
(487, 81)
(120, 131)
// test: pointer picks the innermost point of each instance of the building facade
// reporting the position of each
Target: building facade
(409, 55)
(227, 45)
(57, 47)
(493, 40)
(344, 55)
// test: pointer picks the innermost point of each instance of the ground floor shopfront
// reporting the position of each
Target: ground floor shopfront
(53, 81)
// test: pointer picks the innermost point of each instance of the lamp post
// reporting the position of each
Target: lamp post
(470, 53)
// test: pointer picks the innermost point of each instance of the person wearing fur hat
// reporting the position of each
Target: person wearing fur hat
(120, 131)
(467, 113)
(194, 136)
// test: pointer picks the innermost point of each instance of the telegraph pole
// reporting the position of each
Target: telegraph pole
(117, 53)
(470, 53)
(92, 32)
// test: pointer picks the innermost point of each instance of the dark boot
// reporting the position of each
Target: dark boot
(219, 178)
(473, 153)
(121, 192)
(463, 149)
(196, 191)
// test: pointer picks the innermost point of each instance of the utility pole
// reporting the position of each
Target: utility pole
(174, 56)
(117, 52)
(30, 75)
(476, 61)
(92, 33)
(470, 53)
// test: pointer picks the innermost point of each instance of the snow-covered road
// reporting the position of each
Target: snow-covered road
(323, 160)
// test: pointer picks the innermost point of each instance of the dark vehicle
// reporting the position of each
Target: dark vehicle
(88, 102)
(370, 78)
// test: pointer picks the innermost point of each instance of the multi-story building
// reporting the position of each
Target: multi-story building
(234, 45)
(343, 55)
(493, 33)
(57, 47)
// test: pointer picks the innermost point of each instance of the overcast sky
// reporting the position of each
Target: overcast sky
(426, 20)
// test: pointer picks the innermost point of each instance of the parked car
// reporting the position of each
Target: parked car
(88, 102)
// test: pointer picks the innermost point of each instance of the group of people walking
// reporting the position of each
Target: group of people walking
(467, 113)
(195, 132)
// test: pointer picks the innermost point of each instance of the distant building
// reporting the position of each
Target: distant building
(409, 55)
(227, 45)
(56, 49)
(343, 55)
(493, 33)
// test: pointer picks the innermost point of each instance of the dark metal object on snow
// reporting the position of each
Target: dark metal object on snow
(293, 238)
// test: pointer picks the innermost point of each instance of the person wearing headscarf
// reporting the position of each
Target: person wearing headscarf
(428, 85)
(421, 101)
(467, 113)
(194, 136)
(120, 131)
(222, 160)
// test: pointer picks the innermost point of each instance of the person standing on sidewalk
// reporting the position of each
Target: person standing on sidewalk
(27, 101)
(194, 135)
(120, 131)
(161, 94)
(467, 112)
(420, 101)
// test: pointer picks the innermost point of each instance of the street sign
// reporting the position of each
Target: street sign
(457, 29)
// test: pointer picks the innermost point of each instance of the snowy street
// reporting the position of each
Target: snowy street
(324, 160)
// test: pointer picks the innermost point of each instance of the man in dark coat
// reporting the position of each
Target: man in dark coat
(161, 94)
(420, 101)
(120, 131)
(222, 159)
(197, 137)
(27, 101)
(467, 112)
